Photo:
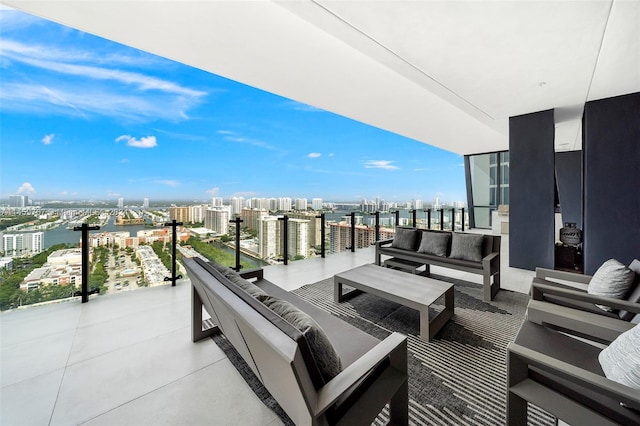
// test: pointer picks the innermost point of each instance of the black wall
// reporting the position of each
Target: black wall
(611, 146)
(531, 190)
(569, 180)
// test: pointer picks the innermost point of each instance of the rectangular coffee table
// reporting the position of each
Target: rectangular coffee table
(413, 291)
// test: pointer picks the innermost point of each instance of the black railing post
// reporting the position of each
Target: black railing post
(85, 259)
(397, 213)
(174, 237)
(462, 218)
(237, 222)
(428, 218)
(442, 219)
(353, 232)
(453, 218)
(285, 237)
(322, 234)
(413, 217)
(377, 214)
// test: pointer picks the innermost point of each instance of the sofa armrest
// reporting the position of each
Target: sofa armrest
(393, 347)
(252, 273)
(381, 243)
(588, 325)
(539, 290)
(545, 273)
(491, 262)
(595, 382)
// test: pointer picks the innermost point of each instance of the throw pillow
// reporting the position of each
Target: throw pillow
(435, 243)
(612, 279)
(323, 353)
(467, 246)
(405, 238)
(620, 361)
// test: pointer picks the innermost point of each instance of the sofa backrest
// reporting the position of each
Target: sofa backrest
(490, 244)
(271, 347)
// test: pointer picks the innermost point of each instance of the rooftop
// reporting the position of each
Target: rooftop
(128, 358)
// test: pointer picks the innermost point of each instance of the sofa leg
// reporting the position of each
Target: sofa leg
(399, 406)
(197, 333)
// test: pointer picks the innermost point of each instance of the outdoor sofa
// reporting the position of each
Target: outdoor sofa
(320, 369)
(579, 366)
(468, 252)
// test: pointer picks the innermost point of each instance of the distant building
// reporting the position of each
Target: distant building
(6, 263)
(145, 203)
(217, 219)
(22, 244)
(301, 204)
(284, 204)
(316, 203)
(250, 217)
(120, 203)
(217, 202)
(180, 214)
(340, 236)
(18, 200)
(237, 204)
(63, 267)
(269, 237)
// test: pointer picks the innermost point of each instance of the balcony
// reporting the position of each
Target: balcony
(128, 358)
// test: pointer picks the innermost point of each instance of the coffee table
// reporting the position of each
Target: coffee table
(413, 291)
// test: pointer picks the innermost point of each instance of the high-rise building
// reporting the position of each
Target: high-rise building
(196, 213)
(284, 204)
(22, 244)
(217, 202)
(301, 204)
(180, 214)
(217, 219)
(18, 200)
(237, 204)
(145, 203)
(316, 203)
(268, 237)
(250, 217)
(298, 233)
(418, 204)
(120, 203)
(365, 236)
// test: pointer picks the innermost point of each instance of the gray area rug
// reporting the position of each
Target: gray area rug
(459, 378)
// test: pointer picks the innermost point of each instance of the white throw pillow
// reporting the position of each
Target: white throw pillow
(620, 361)
(612, 279)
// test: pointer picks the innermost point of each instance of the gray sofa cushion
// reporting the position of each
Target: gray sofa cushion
(634, 295)
(406, 239)
(323, 353)
(467, 246)
(620, 361)
(235, 278)
(436, 243)
(612, 279)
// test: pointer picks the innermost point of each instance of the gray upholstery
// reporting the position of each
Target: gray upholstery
(467, 246)
(406, 239)
(620, 361)
(612, 279)
(374, 373)
(322, 351)
(543, 288)
(435, 243)
(562, 375)
(488, 264)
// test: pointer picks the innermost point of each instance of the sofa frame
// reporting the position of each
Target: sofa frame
(488, 267)
(374, 372)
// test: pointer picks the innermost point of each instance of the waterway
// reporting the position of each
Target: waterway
(62, 235)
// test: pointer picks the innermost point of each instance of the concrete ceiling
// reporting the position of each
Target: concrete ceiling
(446, 73)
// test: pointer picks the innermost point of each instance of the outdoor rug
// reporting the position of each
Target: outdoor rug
(459, 378)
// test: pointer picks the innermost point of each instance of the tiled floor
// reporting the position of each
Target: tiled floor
(128, 358)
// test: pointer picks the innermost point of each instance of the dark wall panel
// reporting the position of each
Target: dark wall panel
(611, 180)
(569, 179)
(532, 189)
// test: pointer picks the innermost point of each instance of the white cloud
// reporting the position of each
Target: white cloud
(314, 155)
(26, 188)
(168, 182)
(143, 142)
(124, 160)
(112, 194)
(380, 164)
(48, 139)
(213, 191)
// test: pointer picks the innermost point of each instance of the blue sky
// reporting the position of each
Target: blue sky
(86, 118)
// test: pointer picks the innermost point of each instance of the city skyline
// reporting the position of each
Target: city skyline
(86, 118)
